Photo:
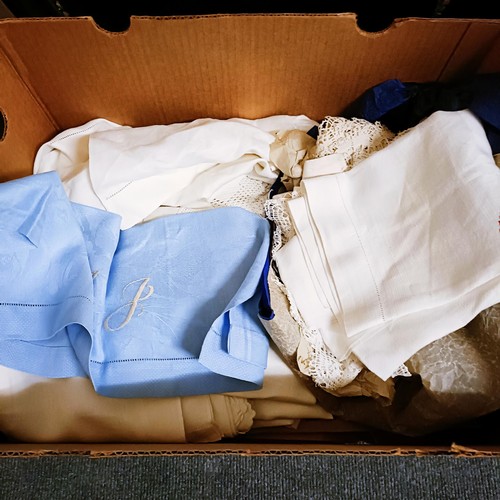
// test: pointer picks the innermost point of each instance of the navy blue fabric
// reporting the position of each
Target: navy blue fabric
(265, 310)
(401, 105)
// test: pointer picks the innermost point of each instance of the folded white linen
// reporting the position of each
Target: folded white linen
(306, 293)
(68, 154)
(132, 171)
(325, 165)
(410, 237)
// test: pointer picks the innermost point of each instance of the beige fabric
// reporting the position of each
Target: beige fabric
(38, 409)
(259, 424)
(288, 152)
(280, 383)
(210, 418)
(368, 384)
(278, 410)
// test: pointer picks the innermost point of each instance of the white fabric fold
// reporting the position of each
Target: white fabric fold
(314, 254)
(326, 165)
(410, 237)
(275, 123)
(307, 295)
(68, 154)
(133, 171)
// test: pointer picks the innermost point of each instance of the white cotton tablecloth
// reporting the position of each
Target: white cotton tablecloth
(410, 238)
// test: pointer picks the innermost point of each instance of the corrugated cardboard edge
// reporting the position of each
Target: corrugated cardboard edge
(159, 450)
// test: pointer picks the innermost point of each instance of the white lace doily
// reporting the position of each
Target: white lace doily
(354, 138)
(315, 359)
(250, 194)
(276, 211)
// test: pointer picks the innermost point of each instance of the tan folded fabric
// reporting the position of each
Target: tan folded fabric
(260, 424)
(280, 383)
(277, 410)
(38, 409)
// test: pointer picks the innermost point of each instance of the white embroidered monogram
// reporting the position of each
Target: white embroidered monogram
(132, 305)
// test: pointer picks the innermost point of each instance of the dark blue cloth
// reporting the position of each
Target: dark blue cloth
(401, 105)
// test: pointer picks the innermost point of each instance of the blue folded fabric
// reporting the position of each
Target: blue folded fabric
(166, 308)
(182, 306)
(45, 278)
(401, 105)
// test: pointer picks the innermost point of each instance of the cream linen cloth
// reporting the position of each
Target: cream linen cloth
(40, 409)
(132, 171)
(408, 243)
(37, 409)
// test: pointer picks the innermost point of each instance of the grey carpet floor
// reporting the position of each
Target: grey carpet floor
(250, 477)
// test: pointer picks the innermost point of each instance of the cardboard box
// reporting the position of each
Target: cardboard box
(60, 73)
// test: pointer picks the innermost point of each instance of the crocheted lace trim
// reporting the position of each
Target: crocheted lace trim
(250, 194)
(354, 138)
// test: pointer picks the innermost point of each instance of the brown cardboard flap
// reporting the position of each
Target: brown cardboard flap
(165, 70)
(176, 69)
(117, 450)
(477, 51)
(24, 124)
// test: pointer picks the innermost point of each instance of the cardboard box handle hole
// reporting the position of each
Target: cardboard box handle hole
(374, 24)
(117, 25)
(3, 125)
